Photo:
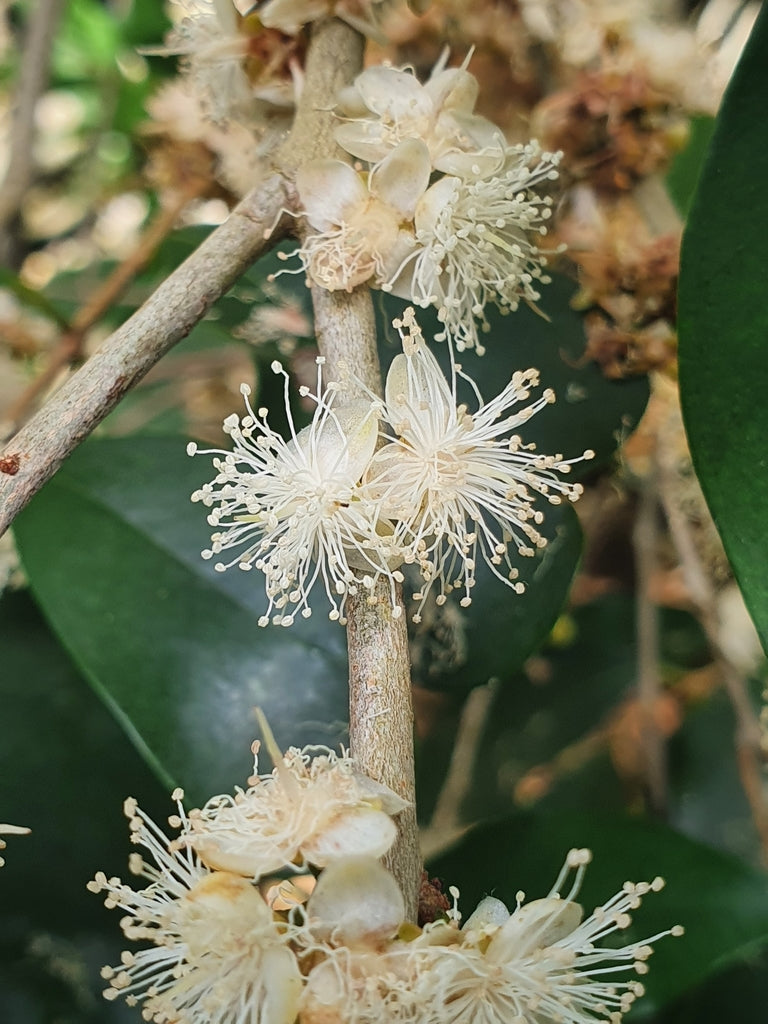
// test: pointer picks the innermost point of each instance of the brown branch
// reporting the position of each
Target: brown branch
(68, 349)
(380, 701)
(183, 299)
(33, 79)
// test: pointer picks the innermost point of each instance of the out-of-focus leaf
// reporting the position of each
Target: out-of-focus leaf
(457, 648)
(723, 325)
(86, 43)
(32, 298)
(172, 646)
(722, 903)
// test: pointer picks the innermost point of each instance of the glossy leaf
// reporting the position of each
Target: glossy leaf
(724, 325)
(722, 903)
(112, 547)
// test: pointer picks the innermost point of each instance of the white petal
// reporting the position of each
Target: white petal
(357, 832)
(533, 926)
(328, 189)
(364, 139)
(343, 443)
(290, 16)
(402, 178)
(393, 94)
(434, 201)
(386, 798)
(453, 89)
(489, 912)
(283, 986)
(356, 901)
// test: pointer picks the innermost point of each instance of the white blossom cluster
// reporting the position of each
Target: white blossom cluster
(440, 209)
(369, 487)
(271, 907)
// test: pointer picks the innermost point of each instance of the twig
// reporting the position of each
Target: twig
(33, 79)
(647, 625)
(380, 701)
(36, 452)
(446, 825)
(69, 347)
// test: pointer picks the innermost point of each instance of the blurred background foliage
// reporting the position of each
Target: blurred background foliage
(614, 705)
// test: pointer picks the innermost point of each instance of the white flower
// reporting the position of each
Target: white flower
(213, 48)
(542, 963)
(313, 809)
(11, 830)
(294, 509)
(386, 105)
(290, 16)
(460, 481)
(359, 231)
(219, 954)
(473, 244)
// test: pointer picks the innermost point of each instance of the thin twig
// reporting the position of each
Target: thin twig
(647, 625)
(36, 452)
(446, 825)
(380, 701)
(68, 349)
(33, 79)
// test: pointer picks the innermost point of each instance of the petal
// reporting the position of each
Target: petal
(356, 901)
(328, 189)
(282, 984)
(453, 89)
(357, 832)
(393, 94)
(489, 912)
(533, 926)
(434, 202)
(386, 798)
(290, 16)
(402, 177)
(364, 139)
(342, 443)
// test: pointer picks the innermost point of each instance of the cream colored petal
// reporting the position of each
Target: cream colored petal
(282, 984)
(454, 89)
(533, 926)
(402, 177)
(473, 146)
(344, 442)
(433, 203)
(250, 860)
(356, 832)
(393, 94)
(290, 16)
(328, 190)
(489, 912)
(385, 797)
(356, 902)
(365, 139)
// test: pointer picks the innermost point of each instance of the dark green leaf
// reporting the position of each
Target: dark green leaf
(724, 325)
(684, 172)
(112, 547)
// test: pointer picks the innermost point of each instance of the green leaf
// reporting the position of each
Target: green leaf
(685, 169)
(112, 548)
(723, 325)
(722, 903)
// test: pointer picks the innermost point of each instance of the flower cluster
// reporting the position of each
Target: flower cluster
(272, 906)
(446, 213)
(445, 486)
(10, 830)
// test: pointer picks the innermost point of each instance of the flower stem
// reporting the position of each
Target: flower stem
(380, 703)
